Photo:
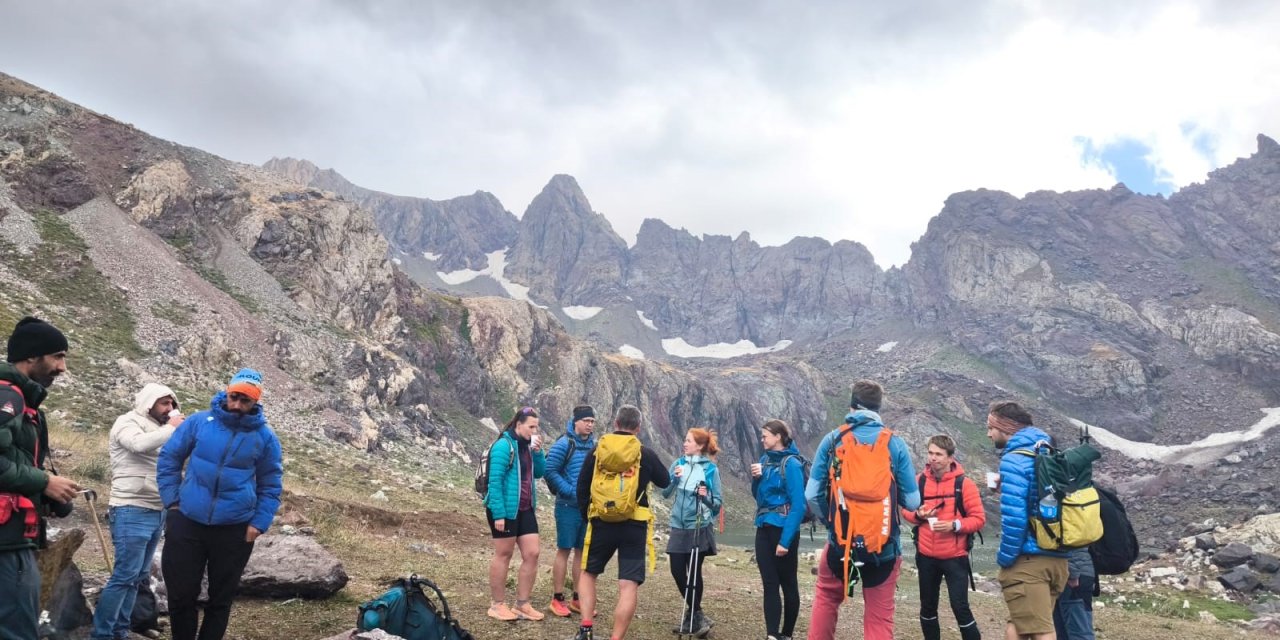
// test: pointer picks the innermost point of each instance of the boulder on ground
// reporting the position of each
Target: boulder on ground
(1206, 542)
(61, 584)
(292, 567)
(1265, 563)
(1240, 579)
(1232, 555)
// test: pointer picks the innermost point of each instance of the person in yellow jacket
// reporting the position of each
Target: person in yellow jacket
(618, 524)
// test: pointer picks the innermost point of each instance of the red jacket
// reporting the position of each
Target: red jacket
(942, 494)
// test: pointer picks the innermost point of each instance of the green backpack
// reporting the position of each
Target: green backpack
(1067, 474)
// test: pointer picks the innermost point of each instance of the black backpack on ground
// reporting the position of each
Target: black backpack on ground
(144, 617)
(407, 611)
(1117, 550)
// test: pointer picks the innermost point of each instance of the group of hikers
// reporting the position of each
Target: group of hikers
(211, 482)
(861, 484)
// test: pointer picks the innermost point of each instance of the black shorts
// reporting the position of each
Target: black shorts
(630, 540)
(526, 522)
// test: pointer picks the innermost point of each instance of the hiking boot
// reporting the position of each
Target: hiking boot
(685, 627)
(527, 612)
(701, 624)
(584, 633)
(559, 608)
(575, 606)
(502, 612)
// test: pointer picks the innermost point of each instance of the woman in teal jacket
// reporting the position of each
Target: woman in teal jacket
(515, 461)
(695, 482)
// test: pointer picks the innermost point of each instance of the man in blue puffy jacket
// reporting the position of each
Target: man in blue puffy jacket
(564, 463)
(226, 498)
(1030, 577)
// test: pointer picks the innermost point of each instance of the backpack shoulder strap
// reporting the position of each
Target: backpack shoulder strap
(960, 496)
(920, 482)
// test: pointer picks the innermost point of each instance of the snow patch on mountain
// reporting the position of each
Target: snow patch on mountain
(434, 257)
(679, 348)
(495, 267)
(645, 321)
(1206, 450)
(581, 313)
(631, 352)
(887, 347)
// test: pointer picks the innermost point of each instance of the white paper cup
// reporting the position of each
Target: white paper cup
(993, 480)
(174, 413)
(932, 521)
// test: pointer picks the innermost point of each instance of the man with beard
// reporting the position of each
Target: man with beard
(136, 514)
(227, 499)
(36, 356)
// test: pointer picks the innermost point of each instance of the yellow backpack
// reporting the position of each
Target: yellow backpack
(614, 495)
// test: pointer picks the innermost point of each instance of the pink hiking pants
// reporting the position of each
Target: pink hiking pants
(877, 617)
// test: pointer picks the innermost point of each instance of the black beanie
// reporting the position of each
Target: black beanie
(32, 338)
(583, 411)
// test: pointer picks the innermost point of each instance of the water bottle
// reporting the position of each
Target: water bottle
(1049, 505)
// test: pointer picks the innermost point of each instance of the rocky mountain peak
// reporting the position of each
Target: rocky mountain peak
(300, 171)
(565, 251)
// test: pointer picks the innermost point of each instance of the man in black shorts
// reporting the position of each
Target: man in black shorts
(631, 537)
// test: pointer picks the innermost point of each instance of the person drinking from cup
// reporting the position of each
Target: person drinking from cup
(515, 461)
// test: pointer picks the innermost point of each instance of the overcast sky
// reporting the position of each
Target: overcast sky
(845, 120)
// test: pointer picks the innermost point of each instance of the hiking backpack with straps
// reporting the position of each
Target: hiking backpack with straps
(407, 611)
(482, 469)
(568, 457)
(1117, 549)
(1064, 477)
(862, 494)
(615, 479)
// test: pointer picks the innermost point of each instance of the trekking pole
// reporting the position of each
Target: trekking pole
(91, 497)
(688, 574)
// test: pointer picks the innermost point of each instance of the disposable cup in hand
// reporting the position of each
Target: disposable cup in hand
(932, 521)
(174, 413)
(993, 480)
(755, 469)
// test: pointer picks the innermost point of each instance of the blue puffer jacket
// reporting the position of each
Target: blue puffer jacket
(506, 474)
(866, 428)
(1017, 480)
(773, 499)
(688, 511)
(233, 470)
(562, 473)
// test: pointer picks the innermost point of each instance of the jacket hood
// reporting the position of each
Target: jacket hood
(696, 458)
(1026, 438)
(777, 456)
(863, 418)
(146, 399)
(246, 422)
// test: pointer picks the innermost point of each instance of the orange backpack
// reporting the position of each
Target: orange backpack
(863, 504)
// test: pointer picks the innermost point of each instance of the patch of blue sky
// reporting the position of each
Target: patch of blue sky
(1130, 161)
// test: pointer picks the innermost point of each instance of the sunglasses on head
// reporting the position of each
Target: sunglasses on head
(528, 411)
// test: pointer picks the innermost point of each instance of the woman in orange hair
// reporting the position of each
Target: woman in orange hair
(695, 482)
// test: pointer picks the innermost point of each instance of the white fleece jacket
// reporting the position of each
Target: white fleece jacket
(136, 440)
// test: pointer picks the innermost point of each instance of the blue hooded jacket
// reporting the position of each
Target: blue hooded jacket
(773, 499)
(1017, 481)
(866, 428)
(234, 468)
(689, 511)
(562, 473)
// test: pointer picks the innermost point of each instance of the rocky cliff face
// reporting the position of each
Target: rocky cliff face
(460, 230)
(717, 289)
(565, 251)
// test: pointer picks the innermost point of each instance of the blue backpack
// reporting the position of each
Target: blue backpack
(407, 611)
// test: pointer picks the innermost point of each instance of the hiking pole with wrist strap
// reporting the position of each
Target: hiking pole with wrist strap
(91, 497)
